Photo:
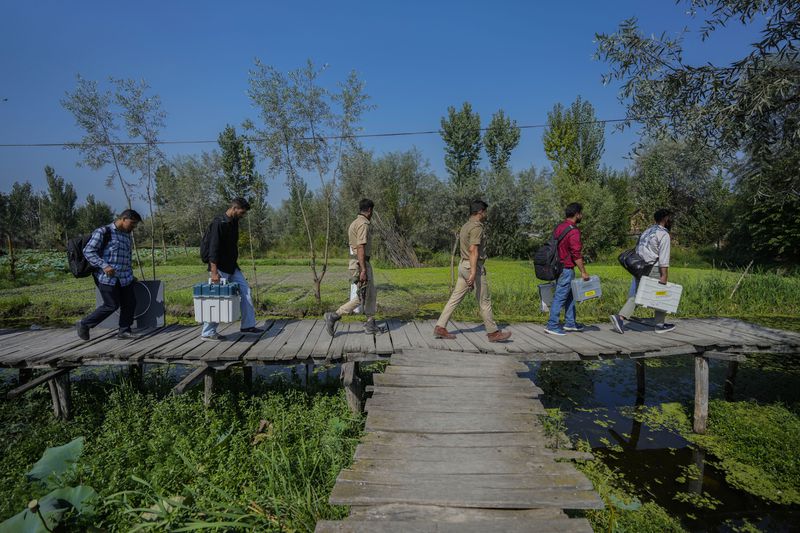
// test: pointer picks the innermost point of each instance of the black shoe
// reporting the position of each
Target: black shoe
(127, 335)
(616, 321)
(664, 328)
(331, 319)
(214, 337)
(251, 330)
(83, 331)
(371, 328)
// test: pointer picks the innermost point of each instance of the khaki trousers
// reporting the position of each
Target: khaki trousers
(371, 304)
(461, 290)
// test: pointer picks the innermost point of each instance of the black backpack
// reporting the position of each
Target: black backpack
(78, 264)
(546, 263)
(204, 244)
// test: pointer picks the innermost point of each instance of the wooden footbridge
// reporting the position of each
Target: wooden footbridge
(452, 439)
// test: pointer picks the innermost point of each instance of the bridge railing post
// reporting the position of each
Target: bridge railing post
(700, 393)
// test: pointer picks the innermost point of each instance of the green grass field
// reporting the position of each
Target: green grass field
(284, 289)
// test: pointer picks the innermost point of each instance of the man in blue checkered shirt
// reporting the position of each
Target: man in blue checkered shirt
(109, 251)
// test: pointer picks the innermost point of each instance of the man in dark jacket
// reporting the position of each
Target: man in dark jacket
(223, 256)
(109, 252)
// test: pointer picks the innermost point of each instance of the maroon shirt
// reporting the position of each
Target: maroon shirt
(569, 250)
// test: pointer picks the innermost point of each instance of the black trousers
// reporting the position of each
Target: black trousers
(114, 297)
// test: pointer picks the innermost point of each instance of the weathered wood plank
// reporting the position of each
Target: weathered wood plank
(380, 420)
(383, 343)
(262, 348)
(399, 338)
(489, 481)
(347, 493)
(534, 438)
(295, 340)
(35, 382)
(308, 348)
(564, 525)
(192, 378)
(445, 405)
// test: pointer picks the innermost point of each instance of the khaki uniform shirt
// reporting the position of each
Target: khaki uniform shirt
(360, 232)
(473, 233)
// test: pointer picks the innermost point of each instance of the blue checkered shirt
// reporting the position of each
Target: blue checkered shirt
(117, 255)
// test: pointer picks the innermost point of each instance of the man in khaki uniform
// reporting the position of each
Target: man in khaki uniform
(360, 238)
(472, 275)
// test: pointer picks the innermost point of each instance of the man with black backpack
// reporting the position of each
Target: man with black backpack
(569, 247)
(108, 251)
(653, 247)
(220, 249)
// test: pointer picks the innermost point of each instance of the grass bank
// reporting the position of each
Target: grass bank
(284, 289)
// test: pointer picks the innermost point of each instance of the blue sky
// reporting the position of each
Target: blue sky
(416, 58)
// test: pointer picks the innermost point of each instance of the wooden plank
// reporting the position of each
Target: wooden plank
(448, 422)
(193, 377)
(336, 349)
(729, 334)
(38, 342)
(383, 343)
(513, 525)
(295, 341)
(510, 366)
(397, 335)
(241, 344)
(722, 339)
(347, 493)
(425, 329)
(416, 339)
(431, 394)
(179, 337)
(413, 405)
(35, 382)
(539, 337)
(452, 371)
(322, 346)
(355, 340)
(722, 356)
(153, 342)
(489, 481)
(451, 454)
(476, 334)
(55, 353)
(512, 384)
(439, 514)
(465, 345)
(196, 348)
(307, 348)
(486, 465)
(419, 441)
(269, 343)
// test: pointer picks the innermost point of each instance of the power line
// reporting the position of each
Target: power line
(323, 137)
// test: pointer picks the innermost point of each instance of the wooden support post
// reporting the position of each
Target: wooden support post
(730, 380)
(208, 389)
(700, 394)
(309, 372)
(54, 398)
(640, 382)
(64, 395)
(699, 459)
(136, 374)
(352, 386)
(191, 379)
(25, 375)
(247, 374)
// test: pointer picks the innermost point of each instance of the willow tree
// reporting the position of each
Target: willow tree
(304, 130)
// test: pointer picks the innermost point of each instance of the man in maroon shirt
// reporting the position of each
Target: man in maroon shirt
(569, 252)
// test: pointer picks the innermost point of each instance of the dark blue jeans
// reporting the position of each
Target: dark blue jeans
(114, 297)
(562, 299)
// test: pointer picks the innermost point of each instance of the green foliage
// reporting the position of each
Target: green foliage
(574, 141)
(756, 445)
(624, 512)
(680, 176)
(747, 112)
(461, 133)
(266, 462)
(500, 139)
(58, 210)
(92, 215)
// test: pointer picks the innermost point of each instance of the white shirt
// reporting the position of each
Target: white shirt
(654, 245)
